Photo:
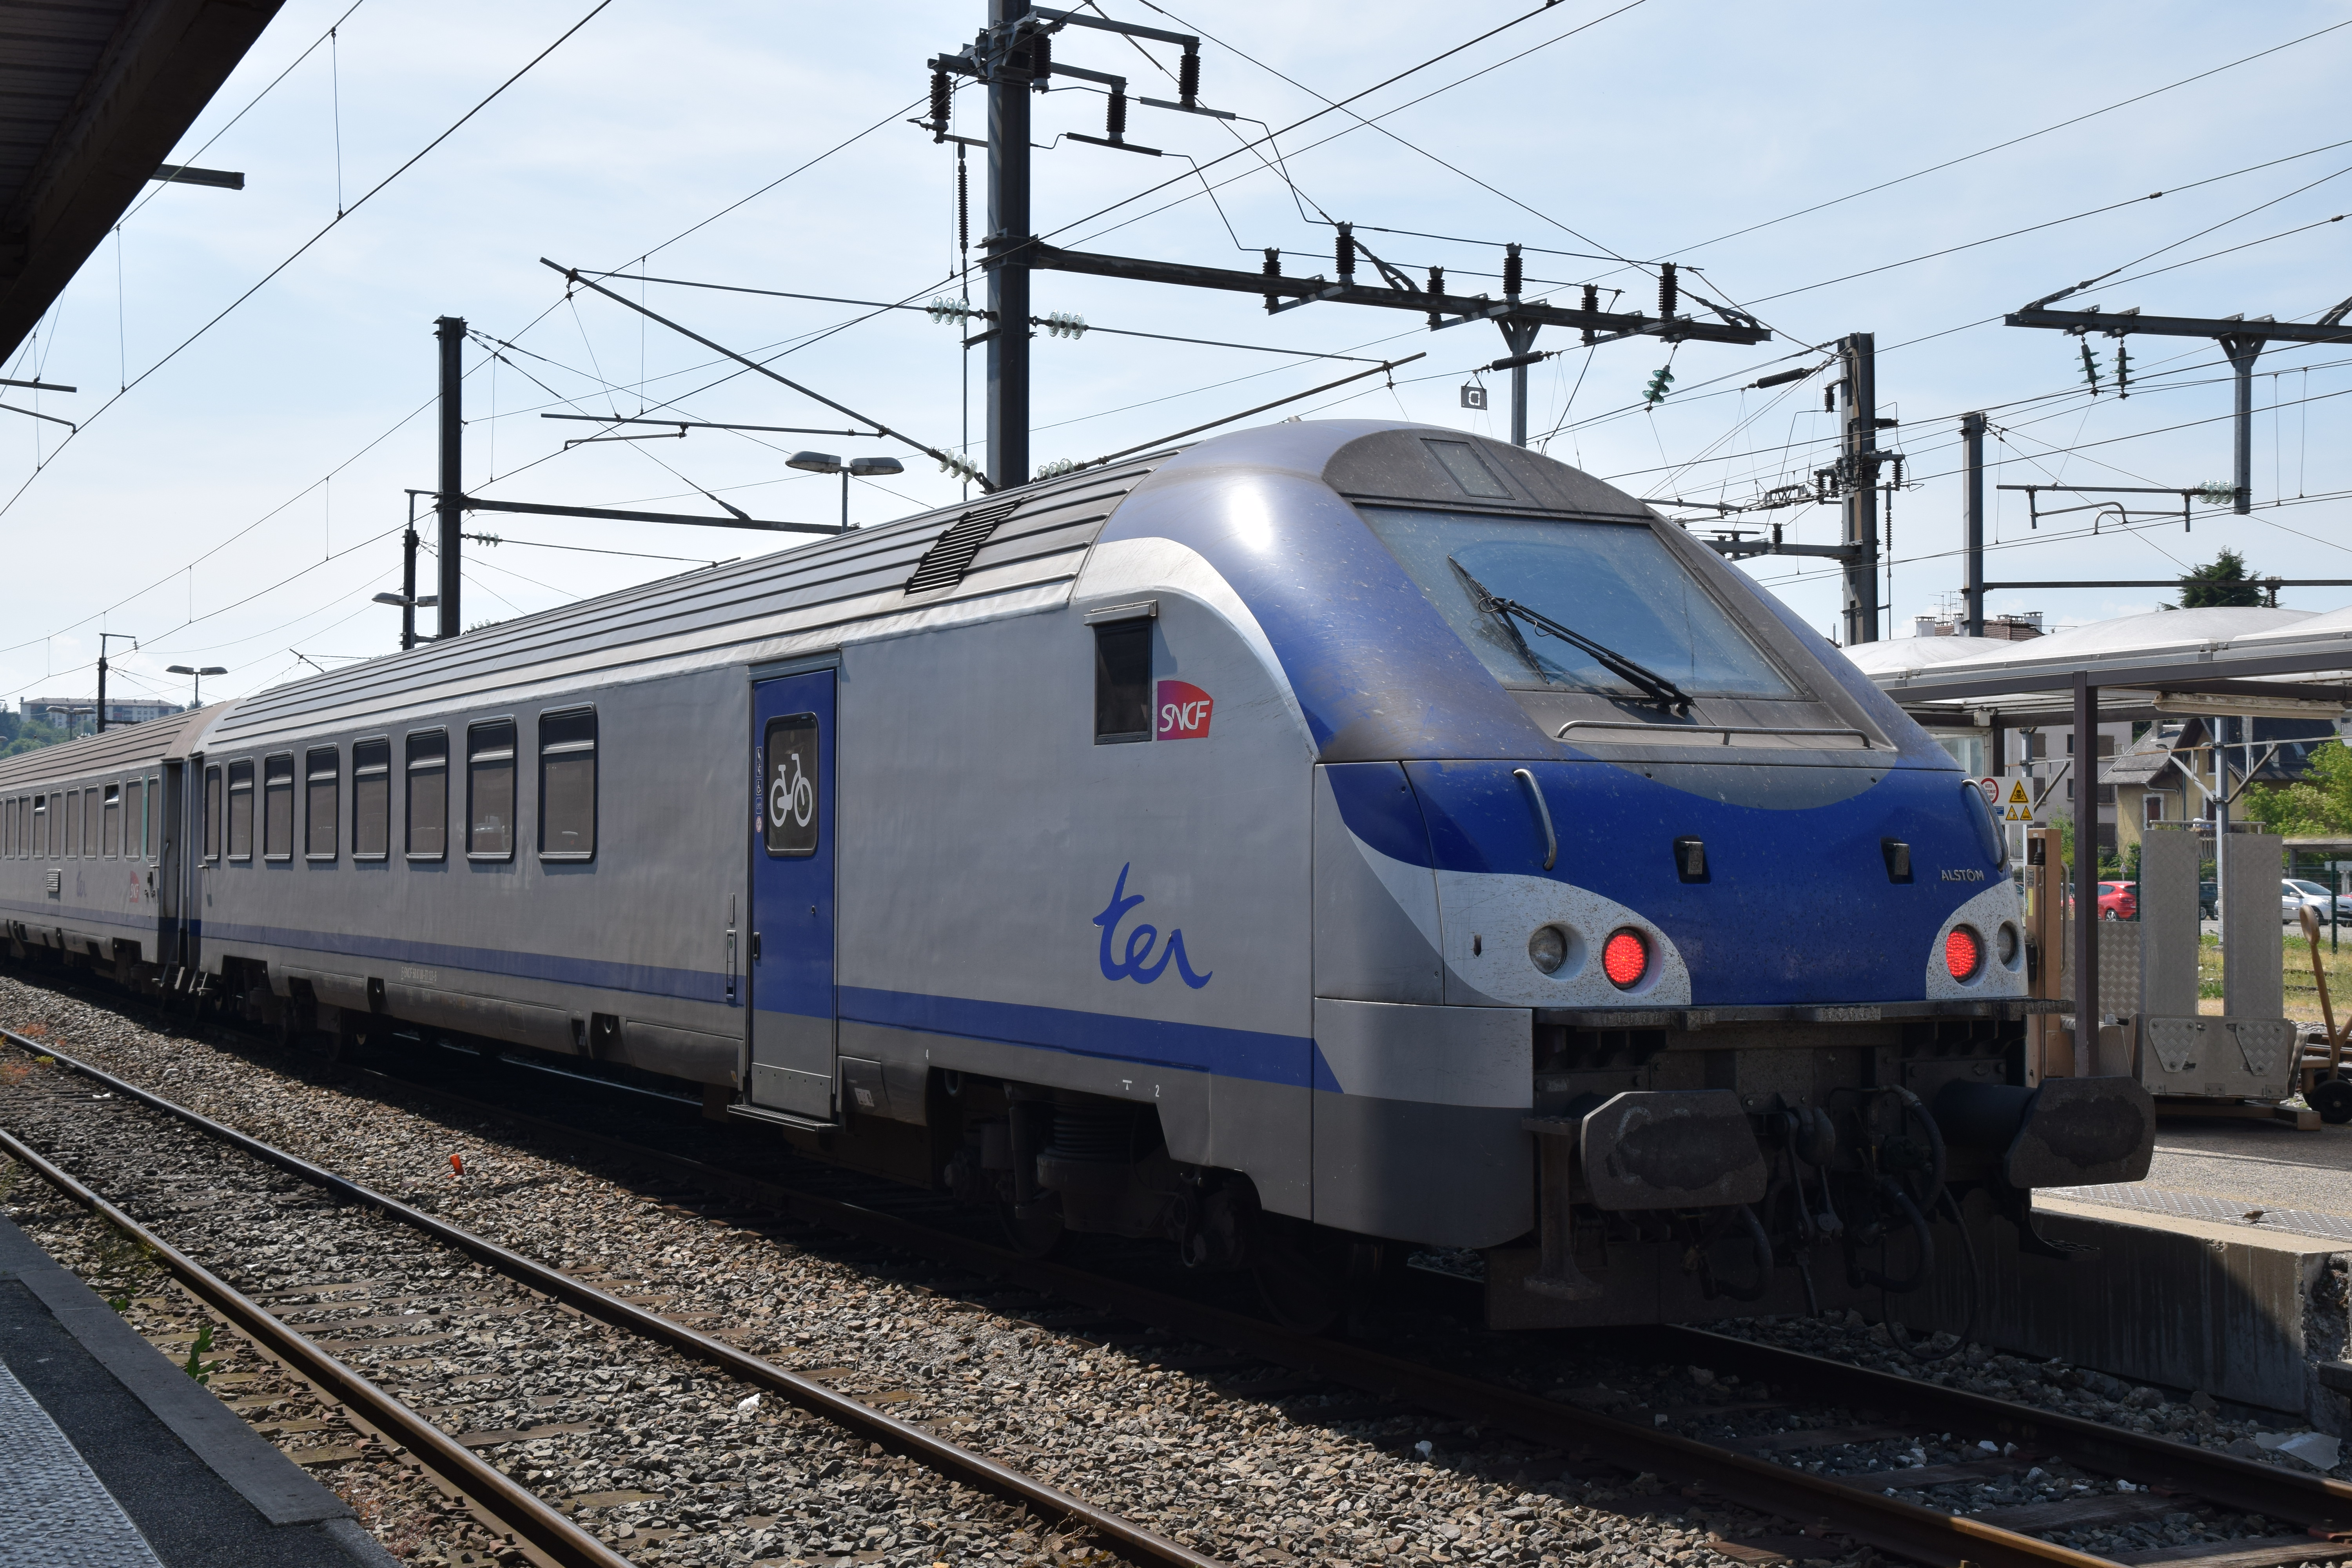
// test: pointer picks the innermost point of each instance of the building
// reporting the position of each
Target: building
(2172, 773)
(1997, 629)
(77, 714)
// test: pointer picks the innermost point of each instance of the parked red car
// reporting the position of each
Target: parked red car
(2119, 900)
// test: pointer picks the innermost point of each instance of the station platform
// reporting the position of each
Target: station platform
(114, 1458)
(2222, 1272)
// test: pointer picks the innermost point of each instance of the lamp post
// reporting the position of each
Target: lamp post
(409, 605)
(198, 701)
(861, 467)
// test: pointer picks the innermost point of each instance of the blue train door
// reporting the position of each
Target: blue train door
(791, 966)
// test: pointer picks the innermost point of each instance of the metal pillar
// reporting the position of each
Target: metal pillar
(1007, 246)
(2243, 353)
(1521, 337)
(1972, 435)
(449, 502)
(2086, 876)
(408, 588)
(101, 687)
(1861, 479)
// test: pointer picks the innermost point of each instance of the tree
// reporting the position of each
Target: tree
(2224, 583)
(2317, 805)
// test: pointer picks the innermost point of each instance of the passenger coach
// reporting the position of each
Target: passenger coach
(1312, 844)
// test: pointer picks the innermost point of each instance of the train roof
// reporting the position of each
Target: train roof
(875, 581)
(124, 748)
(859, 587)
(998, 556)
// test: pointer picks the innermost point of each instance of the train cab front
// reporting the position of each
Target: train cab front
(1679, 971)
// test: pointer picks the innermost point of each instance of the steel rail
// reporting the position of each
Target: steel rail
(1922, 1534)
(933, 1451)
(2314, 1502)
(480, 1485)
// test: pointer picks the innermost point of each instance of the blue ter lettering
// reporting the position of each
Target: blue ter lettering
(1138, 964)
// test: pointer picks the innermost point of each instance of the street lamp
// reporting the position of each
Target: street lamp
(199, 674)
(826, 463)
(408, 604)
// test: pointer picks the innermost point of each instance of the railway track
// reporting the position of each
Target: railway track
(1843, 1425)
(510, 1508)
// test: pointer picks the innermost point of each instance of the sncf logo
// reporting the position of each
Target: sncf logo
(1184, 711)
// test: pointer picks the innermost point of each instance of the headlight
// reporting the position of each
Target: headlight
(1547, 949)
(2005, 944)
(1963, 953)
(1625, 958)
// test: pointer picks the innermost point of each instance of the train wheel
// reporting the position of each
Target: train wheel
(1034, 1229)
(1310, 1278)
(2333, 1101)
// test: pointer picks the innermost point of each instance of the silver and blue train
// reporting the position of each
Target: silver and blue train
(1310, 845)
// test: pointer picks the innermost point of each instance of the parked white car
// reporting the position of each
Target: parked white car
(2296, 894)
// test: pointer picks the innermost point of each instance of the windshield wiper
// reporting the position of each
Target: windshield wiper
(1654, 687)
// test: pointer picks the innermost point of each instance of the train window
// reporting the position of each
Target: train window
(791, 816)
(1122, 682)
(428, 795)
(1497, 579)
(278, 806)
(567, 784)
(73, 825)
(41, 826)
(109, 839)
(134, 819)
(150, 819)
(370, 799)
(90, 824)
(212, 814)
(240, 811)
(490, 790)
(322, 781)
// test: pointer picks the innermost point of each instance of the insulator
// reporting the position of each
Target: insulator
(1669, 291)
(1344, 253)
(1272, 270)
(963, 203)
(1115, 115)
(1188, 79)
(1593, 296)
(939, 105)
(1041, 60)
(1513, 272)
(1436, 293)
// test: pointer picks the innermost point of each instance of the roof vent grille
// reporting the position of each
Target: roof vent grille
(945, 562)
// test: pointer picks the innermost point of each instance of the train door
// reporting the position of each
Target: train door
(792, 946)
(166, 815)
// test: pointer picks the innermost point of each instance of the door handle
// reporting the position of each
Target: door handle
(755, 947)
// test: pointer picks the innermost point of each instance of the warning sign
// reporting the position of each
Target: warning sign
(2017, 794)
(2019, 813)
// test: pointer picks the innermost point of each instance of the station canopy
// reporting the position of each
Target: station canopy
(2263, 663)
(92, 97)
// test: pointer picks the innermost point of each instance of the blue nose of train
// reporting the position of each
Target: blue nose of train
(1787, 899)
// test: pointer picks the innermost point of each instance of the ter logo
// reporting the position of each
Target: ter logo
(1184, 710)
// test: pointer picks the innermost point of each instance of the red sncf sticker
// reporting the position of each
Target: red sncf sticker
(1184, 710)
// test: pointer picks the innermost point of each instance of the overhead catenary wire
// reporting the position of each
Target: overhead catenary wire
(2011, 141)
(299, 251)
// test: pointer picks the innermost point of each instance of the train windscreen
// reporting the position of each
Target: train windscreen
(1498, 580)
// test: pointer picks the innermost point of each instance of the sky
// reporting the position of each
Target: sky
(1833, 167)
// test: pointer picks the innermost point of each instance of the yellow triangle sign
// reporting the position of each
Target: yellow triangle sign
(2017, 794)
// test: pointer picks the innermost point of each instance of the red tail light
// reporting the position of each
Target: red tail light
(1625, 958)
(1963, 952)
